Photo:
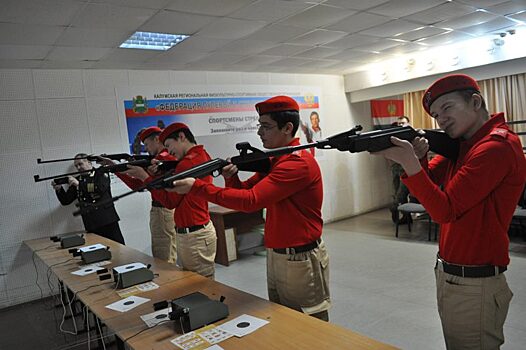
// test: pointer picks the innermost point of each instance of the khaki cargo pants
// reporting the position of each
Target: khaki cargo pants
(472, 310)
(197, 250)
(162, 229)
(300, 281)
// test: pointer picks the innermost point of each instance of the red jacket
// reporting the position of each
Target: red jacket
(480, 192)
(292, 193)
(134, 183)
(190, 210)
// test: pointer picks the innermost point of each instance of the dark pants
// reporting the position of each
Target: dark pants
(111, 231)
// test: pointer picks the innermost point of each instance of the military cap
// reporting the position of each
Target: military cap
(170, 129)
(148, 132)
(445, 85)
(277, 104)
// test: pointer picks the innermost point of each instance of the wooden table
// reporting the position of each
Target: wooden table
(224, 218)
(288, 329)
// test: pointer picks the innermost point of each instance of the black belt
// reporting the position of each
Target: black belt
(157, 204)
(298, 249)
(469, 271)
(189, 229)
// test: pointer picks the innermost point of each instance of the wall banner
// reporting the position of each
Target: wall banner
(211, 110)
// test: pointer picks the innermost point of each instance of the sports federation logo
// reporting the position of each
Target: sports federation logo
(140, 104)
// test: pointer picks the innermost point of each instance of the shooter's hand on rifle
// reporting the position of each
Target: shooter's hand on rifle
(137, 172)
(72, 181)
(182, 186)
(105, 161)
(229, 170)
(421, 146)
(404, 154)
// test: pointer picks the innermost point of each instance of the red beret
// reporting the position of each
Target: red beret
(170, 129)
(277, 104)
(445, 85)
(149, 131)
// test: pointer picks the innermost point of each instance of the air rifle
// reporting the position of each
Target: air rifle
(256, 160)
(61, 179)
(94, 158)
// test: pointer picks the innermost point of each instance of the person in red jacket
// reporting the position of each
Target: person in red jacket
(473, 199)
(162, 226)
(292, 192)
(195, 233)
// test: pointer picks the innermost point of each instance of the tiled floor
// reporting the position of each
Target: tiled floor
(381, 286)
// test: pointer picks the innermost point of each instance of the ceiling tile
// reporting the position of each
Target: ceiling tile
(66, 64)
(284, 50)
(150, 4)
(230, 28)
(201, 43)
(23, 34)
(519, 17)
(93, 37)
(355, 56)
(508, 7)
(488, 27)
(208, 7)
(419, 33)
(246, 47)
(318, 16)
(392, 28)
(116, 65)
(110, 16)
(321, 63)
(378, 46)
(318, 37)
(474, 18)
(318, 52)
(277, 33)
(358, 22)
(178, 56)
(51, 12)
(70, 53)
(440, 13)
(129, 55)
(20, 63)
(23, 52)
(483, 3)
(218, 59)
(176, 22)
(402, 48)
(270, 10)
(356, 4)
(258, 60)
(447, 38)
(291, 62)
(353, 40)
(401, 8)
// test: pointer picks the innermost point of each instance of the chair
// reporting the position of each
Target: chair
(414, 208)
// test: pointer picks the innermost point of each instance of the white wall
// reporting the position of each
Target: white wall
(58, 113)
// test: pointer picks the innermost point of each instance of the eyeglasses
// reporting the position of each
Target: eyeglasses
(265, 127)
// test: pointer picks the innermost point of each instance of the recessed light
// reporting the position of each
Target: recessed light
(153, 41)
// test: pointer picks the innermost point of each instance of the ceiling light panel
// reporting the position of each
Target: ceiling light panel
(153, 41)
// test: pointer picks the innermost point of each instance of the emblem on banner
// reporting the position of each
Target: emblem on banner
(391, 109)
(309, 99)
(140, 104)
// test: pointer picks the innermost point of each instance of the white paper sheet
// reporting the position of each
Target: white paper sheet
(242, 325)
(127, 304)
